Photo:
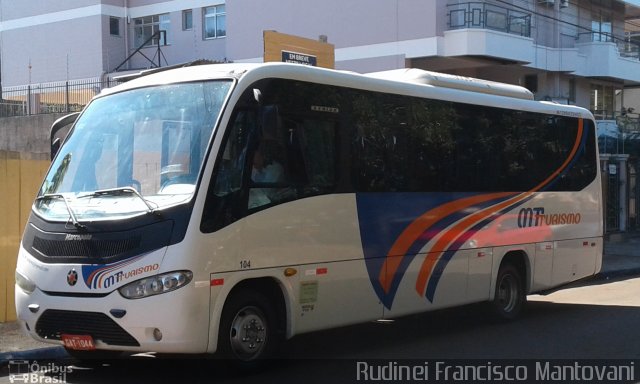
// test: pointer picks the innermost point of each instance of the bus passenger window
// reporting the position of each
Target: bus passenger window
(298, 161)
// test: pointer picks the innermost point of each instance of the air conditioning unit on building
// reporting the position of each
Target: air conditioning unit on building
(547, 2)
(564, 3)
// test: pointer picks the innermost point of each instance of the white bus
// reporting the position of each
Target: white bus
(224, 208)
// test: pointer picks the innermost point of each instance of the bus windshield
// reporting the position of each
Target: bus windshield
(132, 152)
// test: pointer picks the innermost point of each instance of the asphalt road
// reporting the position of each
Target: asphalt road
(596, 321)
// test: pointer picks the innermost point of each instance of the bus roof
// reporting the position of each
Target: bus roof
(445, 80)
(409, 81)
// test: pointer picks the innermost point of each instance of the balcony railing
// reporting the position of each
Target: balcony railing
(488, 16)
(628, 47)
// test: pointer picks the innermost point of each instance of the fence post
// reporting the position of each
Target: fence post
(66, 96)
(29, 100)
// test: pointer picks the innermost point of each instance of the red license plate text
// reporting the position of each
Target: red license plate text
(78, 342)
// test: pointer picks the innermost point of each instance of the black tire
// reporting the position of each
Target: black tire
(248, 330)
(510, 297)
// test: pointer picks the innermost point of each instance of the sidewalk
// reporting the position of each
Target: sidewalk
(621, 258)
(621, 255)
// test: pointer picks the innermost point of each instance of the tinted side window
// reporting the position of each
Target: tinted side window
(306, 130)
(299, 161)
(323, 137)
(409, 144)
(285, 150)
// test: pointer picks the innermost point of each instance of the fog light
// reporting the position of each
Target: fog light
(24, 283)
(157, 334)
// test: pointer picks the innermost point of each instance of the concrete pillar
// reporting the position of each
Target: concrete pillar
(605, 158)
(624, 200)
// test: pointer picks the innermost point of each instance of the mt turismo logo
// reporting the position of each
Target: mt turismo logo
(105, 276)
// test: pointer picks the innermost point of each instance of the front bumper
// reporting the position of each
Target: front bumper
(182, 317)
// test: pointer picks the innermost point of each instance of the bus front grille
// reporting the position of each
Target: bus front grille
(94, 248)
(54, 323)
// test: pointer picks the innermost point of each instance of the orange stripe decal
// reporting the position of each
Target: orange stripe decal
(449, 237)
(409, 236)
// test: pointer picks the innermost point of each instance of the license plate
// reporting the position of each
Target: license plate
(78, 342)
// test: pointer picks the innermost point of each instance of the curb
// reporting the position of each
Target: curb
(618, 273)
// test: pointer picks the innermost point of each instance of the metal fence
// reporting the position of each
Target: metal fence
(58, 97)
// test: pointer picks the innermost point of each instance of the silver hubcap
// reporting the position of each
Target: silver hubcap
(508, 293)
(248, 333)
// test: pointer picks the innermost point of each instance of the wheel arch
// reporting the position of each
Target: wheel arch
(269, 286)
(520, 259)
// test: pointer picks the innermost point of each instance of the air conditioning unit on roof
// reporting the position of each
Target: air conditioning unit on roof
(547, 2)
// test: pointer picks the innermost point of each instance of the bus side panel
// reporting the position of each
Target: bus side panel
(334, 294)
(576, 221)
(426, 286)
(543, 266)
(573, 260)
(319, 238)
(479, 282)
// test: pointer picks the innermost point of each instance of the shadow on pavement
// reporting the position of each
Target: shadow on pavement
(546, 331)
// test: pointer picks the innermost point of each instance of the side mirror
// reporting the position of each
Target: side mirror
(257, 95)
(55, 147)
(55, 139)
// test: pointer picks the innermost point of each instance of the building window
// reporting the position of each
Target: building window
(572, 90)
(215, 24)
(601, 28)
(602, 101)
(114, 26)
(187, 20)
(145, 27)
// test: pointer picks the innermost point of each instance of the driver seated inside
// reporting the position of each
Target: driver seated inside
(266, 169)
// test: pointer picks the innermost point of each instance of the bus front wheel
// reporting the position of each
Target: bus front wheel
(509, 298)
(248, 329)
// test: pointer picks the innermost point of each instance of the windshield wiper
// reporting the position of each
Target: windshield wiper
(118, 192)
(72, 214)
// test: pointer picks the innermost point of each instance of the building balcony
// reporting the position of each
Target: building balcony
(480, 29)
(480, 15)
(500, 46)
(607, 57)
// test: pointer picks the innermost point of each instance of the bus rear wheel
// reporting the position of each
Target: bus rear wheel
(510, 297)
(248, 329)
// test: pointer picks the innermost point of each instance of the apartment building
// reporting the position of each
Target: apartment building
(570, 51)
(44, 41)
(582, 52)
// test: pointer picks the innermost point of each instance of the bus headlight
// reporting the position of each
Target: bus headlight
(156, 285)
(24, 283)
